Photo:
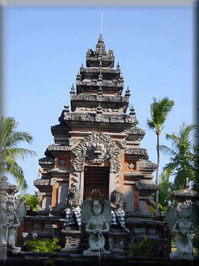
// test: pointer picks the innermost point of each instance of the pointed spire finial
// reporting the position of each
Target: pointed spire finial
(73, 87)
(187, 183)
(101, 23)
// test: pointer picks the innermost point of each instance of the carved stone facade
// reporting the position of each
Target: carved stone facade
(96, 145)
(97, 148)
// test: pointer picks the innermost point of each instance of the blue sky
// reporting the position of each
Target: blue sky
(45, 47)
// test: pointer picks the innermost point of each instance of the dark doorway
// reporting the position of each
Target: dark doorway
(96, 178)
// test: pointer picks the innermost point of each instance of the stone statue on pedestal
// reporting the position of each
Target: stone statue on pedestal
(117, 211)
(73, 211)
(12, 212)
(10, 221)
(97, 219)
(180, 222)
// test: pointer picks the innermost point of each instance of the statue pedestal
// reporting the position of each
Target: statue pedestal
(93, 253)
(118, 241)
(14, 250)
(72, 239)
(180, 256)
(3, 251)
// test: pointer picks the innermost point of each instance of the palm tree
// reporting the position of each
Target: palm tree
(183, 158)
(9, 152)
(159, 111)
(165, 190)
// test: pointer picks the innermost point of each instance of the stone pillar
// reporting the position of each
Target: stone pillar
(78, 182)
(113, 183)
(62, 194)
(129, 198)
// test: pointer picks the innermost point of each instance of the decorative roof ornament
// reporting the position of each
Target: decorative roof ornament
(82, 67)
(66, 108)
(100, 46)
(78, 76)
(132, 110)
(121, 78)
(100, 40)
(100, 77)
(100, 91)
(187, 183)
(72, 90)
(127, 92)
(118, 66)
(99, 109)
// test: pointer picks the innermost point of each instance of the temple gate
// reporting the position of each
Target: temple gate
(96, 145)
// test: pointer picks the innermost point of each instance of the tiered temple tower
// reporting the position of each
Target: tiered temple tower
(96, 145)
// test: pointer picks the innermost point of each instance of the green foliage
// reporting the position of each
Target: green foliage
(31, 200)
(9, 152)
(183, 157)
(165, 190)
(46, 245)
(143, 247)
(159, 111)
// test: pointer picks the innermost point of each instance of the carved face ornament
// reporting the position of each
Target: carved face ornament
(96, 153)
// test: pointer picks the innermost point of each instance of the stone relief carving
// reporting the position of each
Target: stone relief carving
(136, 151)
(99, 98)
(42, 182)
(55, 147)
(132, 166)
(147, 165)
(104, 118)
(97, 147)
(137, 131)
(146, 186)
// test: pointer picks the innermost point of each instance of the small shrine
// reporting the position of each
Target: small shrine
(96, 146)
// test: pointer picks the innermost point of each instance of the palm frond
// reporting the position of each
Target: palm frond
(167, 150)
(20, 152)
(150, 124)
(16, 171)
(173, 137)
(9, 152)
(186, 132)
(159, 111)
(170, 167)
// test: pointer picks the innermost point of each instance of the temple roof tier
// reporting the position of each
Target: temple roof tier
(47, 162)
(108, 103)
(94, 72)
(146, 187)
(137, 152)
(60, 129)
(135, 133)
(97, 118)
(42, 183)
(108, 86)
(100, 56)
(147, 166)
(57, 147)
